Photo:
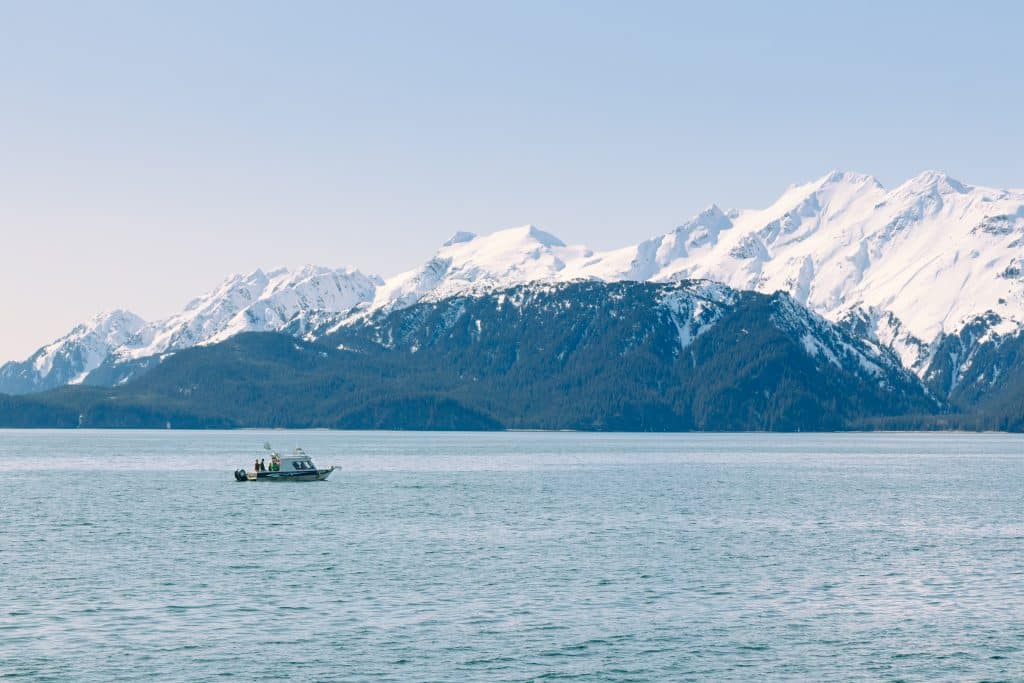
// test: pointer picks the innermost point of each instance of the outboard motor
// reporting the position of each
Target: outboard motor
(240, 475)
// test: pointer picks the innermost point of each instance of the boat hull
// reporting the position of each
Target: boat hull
(281, 476)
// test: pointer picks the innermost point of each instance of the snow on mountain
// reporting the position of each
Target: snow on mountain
(469, 262)
(69, 359)
(913, 263)
(648, 260)
(908, 265)
(257, 302)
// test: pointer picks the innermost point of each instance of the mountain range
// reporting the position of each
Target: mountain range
(930, 273)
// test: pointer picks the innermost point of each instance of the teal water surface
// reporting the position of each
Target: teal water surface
(513, 556)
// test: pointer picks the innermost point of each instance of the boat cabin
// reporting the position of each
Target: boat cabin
(296, 463)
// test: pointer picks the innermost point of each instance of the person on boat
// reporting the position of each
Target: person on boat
(256, 466)
(263, 465)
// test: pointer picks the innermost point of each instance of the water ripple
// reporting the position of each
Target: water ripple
(514, 557)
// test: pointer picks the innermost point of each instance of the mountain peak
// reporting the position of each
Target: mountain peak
(545, 238)
(113, 323)
(713, 217)
(509, 238)
(711, 211)
(237, 278)
(932, 180)
(502, 258)
(114, 314)
(709, 222)
(837, 177)
(460, 237)
(532, 233)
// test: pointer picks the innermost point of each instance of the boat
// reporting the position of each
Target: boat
(294, 467)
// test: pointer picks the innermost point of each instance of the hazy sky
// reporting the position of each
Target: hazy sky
(148, 150)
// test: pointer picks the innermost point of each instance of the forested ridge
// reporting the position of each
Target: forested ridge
(586, 355)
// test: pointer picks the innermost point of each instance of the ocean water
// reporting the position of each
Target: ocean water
(513, 556)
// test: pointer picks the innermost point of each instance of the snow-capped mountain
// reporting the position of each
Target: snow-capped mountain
(913, 263)
(258, 301)
(908, 268)
(469, 262)
(69, 359)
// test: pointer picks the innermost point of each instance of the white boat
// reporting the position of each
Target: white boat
(295, 467)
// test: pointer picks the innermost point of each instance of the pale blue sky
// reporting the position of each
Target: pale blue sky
(147, 150)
